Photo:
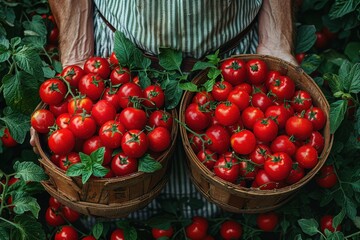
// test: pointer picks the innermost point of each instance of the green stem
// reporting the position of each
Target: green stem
(9, 222)
(352, 235)
(47, 55)
(3, 194)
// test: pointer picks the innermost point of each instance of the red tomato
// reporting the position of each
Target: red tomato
(117, 234)
(54, 203)
(296, 174)
(110, 95)
(133, 118)
(94, 143)
(301, 101)
(82, 126)
(113, 59)
(306, 156)
(278, 166)
(299, 127)
(7, 139)
(160, 118)
(159, 139)
(227, 113)
(240, 98)
(80, 104)
(158, 233)
(300, 57)
(52, 91)
(197, 229)
(283, 87)
(230, 230)
(247, 170)
(207, 157)
(227, 168)
(265, 129)
(60, 108)
(243, 142)
(202, 98)
(326, 222)
(246, 87)
(54, 35)
(196, 117)
(122, 164)
(61, 141)
(127, 93)
(283, 143)
(97, 65)
(120, 75)
(218, 139)
(92, 85)
(88, 238)
(267, 221)
(279, 113)
(321, 40)
(66, 233)
(134, 143)
(111, 134)
(72, 74)
(263, 181)
(233, 70)
(259, 155)
(256, 71)
(42, 120)
(65, 161)
(103, 111)
(317, 116)
(250, 115)
(221, 90)
(261, 100)
(317, 141)
(326, 177)
(195, 141)
(53, 217)
(154, 97)
(271, 76)
(70, 214)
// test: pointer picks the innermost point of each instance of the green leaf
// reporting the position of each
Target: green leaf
(86, 174)
(339, 218)
(140, 61)
(35, 32)
(29, 171)
(202, 66)
(124, 49)
(298, 237)
(144, 79)
(4, 53)
(334, 82)
(48, 72)
(209, 84)
(148, 164)
(173, 94)
(342, 7)
(97, 156)
(97, 230)
(309, 226)
(356, 185)
(352, 51)
(213, 58)
(305, 38)
(213, 73)
(27, 228)
(85, 159)
(57, 66)
(24, 203)
(18, 124)
(4, 234)
(188, 86)
(130, 233)
(335, 235)
(14, 42)
(28, 60)
(352, 80)
(311, 62)
(356, 222)
(350, 208)
(170, 59)
(75, 170)
(99, 170)
(161, 221)
(337, 114)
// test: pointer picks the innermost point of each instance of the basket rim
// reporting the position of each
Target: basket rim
(236, 189)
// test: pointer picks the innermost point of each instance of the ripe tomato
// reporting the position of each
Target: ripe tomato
(227, 168)
(301, 101)
(243, 142)
(306, 156)
(263, 181)
(60, 108)
(110, 95)
(80, 104)
(267, 221)
(278, 166)
(197, 229)
(317, 116)
(317, 141)
(52, 91)
(246, 87)
(134, 143)
(65, 161)
(120, 75)
(196, 142)
(159, 139)
(227, 113)
(282, 87)
(117, 234)
(53, 217)
(72, 74)
(61, 141)
(207, 157)
(7, 140)
(247, 170)
(271, 76)
(202, 98)
(103, 111)
(54, 203)
(260, 153)
(261, 100)
(127, 93)
(197, 118)
(283, 143)
(265, 129)
(133, 118)
(82, 126)
(92, 85)
(66, 233)
(113, 59)
(256, 71)
(240, 98)
(230, 230)
(326, 222)
(41, 120)
(158, 233)
(94, 143)
(54, 35)
(279, 113)
(97, 65)
(111, 134)
(88, 238)
(299, 127)
(250, 115)
(300, 57)
(154, 97)
(221, 90)
(121, 164)
(160, 118)
(70, 214)
(296, 174)
(321, 40)
(233, 70)
(326, 177)
(217, 139)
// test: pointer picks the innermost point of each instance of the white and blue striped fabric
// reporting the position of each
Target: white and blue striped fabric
(197, 27)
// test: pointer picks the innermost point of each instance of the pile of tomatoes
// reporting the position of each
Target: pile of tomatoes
(102, 105)
(256, 128)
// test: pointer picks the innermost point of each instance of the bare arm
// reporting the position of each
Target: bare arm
(276, 29)
(76, 30)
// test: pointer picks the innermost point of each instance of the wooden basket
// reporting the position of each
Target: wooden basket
(237, 199)
(108, 197)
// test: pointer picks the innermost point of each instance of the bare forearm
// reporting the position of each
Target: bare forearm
(76, 29)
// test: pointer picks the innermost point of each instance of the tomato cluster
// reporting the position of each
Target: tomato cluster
(255, 128)
(102, 105)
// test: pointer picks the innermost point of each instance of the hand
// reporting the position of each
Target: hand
(279, 53)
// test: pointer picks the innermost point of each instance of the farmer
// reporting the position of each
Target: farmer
(196, 27)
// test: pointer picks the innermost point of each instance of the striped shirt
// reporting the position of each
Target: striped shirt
(197, 27)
